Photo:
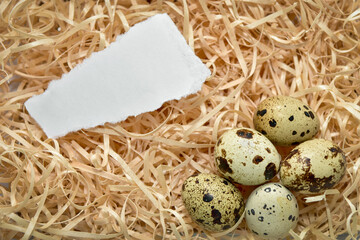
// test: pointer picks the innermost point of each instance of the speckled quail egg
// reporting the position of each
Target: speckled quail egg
(285, 120)
(212, 201)
(313, 166)
(245, 156)
(271, 211)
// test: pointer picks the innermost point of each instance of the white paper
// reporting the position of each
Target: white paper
(142, 69)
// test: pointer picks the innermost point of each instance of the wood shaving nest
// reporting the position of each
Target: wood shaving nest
(124, 180)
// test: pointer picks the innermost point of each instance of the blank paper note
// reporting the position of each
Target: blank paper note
(142, 69)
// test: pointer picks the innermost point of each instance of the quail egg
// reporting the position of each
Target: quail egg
(245, 156)
(313, 166)
(212, 201)
(285, 120)
(271, 211)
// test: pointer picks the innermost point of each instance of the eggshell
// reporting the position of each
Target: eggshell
(313, 166)
(271, 211)
(212, 201)
(245, 156)
(285, 120)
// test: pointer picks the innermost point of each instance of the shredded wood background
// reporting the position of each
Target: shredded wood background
(124, 180)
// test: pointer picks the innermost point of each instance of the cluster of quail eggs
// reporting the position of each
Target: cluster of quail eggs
(248, 157)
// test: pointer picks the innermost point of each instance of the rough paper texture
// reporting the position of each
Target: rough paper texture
(142, 69)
